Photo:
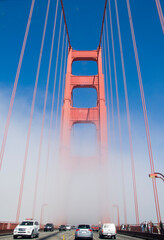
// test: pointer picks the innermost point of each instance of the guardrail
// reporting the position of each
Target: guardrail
(143, 235)
(7, 226)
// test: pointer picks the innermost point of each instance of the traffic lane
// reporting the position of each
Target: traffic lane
(62, 235)
(70, 235)
(42, 235)
(67, 235)
(118, 236)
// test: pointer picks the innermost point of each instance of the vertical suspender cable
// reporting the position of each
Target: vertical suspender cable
(31, 116)
(53, 96)
(15, 85)
(64, 74)
(128, 114)
(106, 216)
(158, 4)
(52, 47)
(107, 87)
(59, 84)
(145, 113)
(43, 120)
(110, 78)
(120, 135)
(119, 120)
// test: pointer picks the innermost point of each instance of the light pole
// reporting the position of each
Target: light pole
(156, 175)
(118, 215)
(41, 215)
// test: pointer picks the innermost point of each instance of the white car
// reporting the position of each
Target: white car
(27, 228)
(68, 227)
(107, 230)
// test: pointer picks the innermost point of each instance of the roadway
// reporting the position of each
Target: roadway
(68, 235)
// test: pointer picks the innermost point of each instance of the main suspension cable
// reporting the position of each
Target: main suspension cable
(65, 23)
(103, 23)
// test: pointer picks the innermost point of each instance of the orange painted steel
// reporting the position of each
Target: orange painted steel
(72, 115)
(31, 116)
(15, 84)
(110, 78)
(119, 125)
(145, 113)
(60, 78)
(49, 69)
(160, 13)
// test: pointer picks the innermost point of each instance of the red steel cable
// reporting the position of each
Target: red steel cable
(103, 23)
(115, 74)
(128, 115)
(62, 98)
(15, 85)
(110, 78)
(44, 111)
(59, 84)
(31, 116)
(65, 23)
(53, 96)
(107, 87)
(119, 121)
(52, 46)
(64, 74)
(145, 113)
(160, 13)
(122, 164)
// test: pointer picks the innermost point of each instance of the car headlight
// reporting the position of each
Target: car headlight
(29, 230)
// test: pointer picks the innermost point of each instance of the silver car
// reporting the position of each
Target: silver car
(84, 231)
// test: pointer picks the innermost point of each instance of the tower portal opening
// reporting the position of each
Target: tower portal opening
(84, 140)
(84, 97)
(84, 68)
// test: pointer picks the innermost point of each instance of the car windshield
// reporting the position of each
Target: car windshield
(49, 225)
(62, 226)
(84, 226)
(108, 226)
(26, 223)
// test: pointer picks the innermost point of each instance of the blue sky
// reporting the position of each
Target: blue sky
(84, 20)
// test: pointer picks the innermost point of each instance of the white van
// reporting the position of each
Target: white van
(107, 230)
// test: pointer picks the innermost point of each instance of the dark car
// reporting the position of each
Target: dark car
(49, 227)
(62, 228)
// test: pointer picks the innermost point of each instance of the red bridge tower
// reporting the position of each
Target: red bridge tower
(96, 115)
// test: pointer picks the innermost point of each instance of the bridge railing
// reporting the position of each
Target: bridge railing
(7, 225)
(141, 228)
(144, 231)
